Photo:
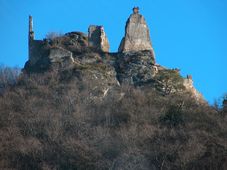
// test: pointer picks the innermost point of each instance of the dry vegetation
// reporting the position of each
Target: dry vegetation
(47, 122)
(8, 76)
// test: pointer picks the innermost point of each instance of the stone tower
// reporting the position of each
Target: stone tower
(30, 35)
(97, 38)
(35, 47)
(31, 32)
(137, 36)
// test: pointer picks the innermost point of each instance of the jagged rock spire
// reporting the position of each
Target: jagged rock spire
(137, 36)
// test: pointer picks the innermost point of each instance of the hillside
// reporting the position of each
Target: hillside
(56, 120)
(77, 106)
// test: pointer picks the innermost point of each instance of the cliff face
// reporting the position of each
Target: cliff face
(136, 68)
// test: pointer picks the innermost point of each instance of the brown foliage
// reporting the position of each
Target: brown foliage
(8, 77)
(46, 123)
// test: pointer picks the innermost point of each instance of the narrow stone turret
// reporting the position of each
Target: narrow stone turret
(137, 36)
(97, 38)
(30, 36)
(31, 32)
(35, 47)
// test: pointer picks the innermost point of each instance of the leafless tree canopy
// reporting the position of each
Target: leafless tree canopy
(47, 122)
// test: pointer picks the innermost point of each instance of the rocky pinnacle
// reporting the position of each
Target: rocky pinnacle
(137, 36)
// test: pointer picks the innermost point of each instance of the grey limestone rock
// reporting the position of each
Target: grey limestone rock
(58, 54)
(137, 36)
(136, 67)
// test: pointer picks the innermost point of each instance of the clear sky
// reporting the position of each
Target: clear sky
(186, 34)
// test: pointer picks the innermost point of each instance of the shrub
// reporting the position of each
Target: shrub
(53, 35)
(170, 81)
(173, 117)
(8, 76)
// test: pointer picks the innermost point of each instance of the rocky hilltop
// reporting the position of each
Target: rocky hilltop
(77, 106)
(133, 64)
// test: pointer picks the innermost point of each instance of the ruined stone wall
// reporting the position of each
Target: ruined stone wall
(97, 38)
(37, 50)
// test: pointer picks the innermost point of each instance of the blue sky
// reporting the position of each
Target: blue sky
(186, 34)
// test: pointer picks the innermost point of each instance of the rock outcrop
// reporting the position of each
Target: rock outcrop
(136, 68)
(137, 36)
(60, 55)
(188, 84)
(97, 38)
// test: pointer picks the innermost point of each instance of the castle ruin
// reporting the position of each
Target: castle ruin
(57, 48)
(137, 38)
(34, 46)
(134, 63)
